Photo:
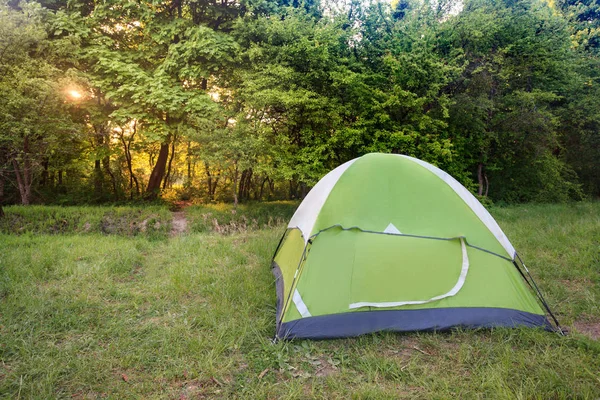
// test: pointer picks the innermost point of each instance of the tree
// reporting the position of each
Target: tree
(227, 98)
(289, 91)
(154, 61)
(34, 121)
(504, 114)
(580, 112)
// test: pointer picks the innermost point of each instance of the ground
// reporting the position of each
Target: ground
(143, 303)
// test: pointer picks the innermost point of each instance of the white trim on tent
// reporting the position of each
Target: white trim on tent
(459, 284)
(391, 228)
(306, 215)
(472, 202)
(302, 309)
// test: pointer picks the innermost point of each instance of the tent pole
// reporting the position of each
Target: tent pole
(296, 276)
(275, 338)
(279, 244)
(534, 286)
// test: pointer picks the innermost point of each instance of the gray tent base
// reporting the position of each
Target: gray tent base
(436, 319)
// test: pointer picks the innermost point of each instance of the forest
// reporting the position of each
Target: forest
(242, 100)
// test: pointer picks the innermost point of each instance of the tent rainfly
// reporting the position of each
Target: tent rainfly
(387, 242)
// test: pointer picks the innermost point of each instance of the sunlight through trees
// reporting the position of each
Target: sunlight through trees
(257, 99)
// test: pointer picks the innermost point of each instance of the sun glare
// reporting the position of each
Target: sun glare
(75, 94)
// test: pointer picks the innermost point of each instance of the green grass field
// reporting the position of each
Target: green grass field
(94, 306)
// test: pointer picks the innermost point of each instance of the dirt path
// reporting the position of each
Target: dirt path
(590, 329)
(179, 223)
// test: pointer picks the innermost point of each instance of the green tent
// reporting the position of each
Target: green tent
(388, 242)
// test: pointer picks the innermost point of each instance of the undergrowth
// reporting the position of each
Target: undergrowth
(226, 219)
(120, 220)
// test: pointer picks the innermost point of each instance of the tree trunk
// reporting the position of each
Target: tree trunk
(235, 183)
(106, 164)
(208, 181)
(44, 179)
(103, 141)
(158, 172)
(211, 181)
(98, 178)
(127, 151)
(27, 171)
(189, 163)
(1, 194)
(168, 175)
(24, 176)
(241, 186)
(98, 174)
(24, 188)
(213, 188)
(480, 179)
(262, 187)
(256, 189)
(293, 193)
(487, 185)
(248, 184)
(60, 176)
(303, 190)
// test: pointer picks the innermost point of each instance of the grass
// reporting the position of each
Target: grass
(224, 218)
(121, 316)
(561, 244)
(122, 220)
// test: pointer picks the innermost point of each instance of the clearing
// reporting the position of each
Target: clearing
(99, 302)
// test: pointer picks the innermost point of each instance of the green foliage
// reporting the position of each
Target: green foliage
(550, 181)
(285, 92)
(516, 61)
(585, 23)
(34, 121)
(267, 96)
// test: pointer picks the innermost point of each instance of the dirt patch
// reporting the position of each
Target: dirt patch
(405, 349)
(179, 224)
(324, 366)
(590, 329)
(404, 354)
(326, 370)
(201, 388)
(179, 205)
(577, 285)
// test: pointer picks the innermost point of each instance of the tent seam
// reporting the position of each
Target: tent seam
(313, 236)
(504, 237)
